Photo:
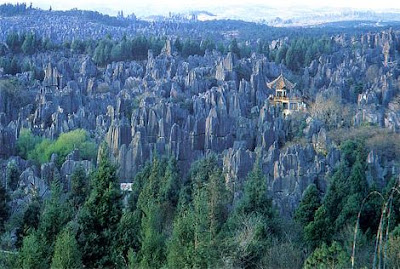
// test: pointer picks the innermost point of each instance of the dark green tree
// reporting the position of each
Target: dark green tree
(12, 175)
(280, 56)
(207, 44)
(234, 48)
(14, 41)
(152, 237)
(128, 237)
(191, 47)
(55, 215)
(333, 256)
(181, 246)
(79, 187)
(171, 184)
(99, 216)
(29, 44)
(255, 215)
(152, 252)
(4, 210)
(202, 211)
(178, 45)
(102, 52)
(30, 220)
(78, 46)
(255, 199)
(310, 202)
(320, 230)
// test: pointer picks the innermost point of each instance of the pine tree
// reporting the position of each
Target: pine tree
(66, 252)
(254, 220)
(308, 205)
(320, 230)
(178, 45)
(128, 236)
(31, 254)
(56, 214)
(99, 216)
(169, 190)
(4, 210)
(79, 187)
(181, 246)
(202, 213)
(333, 256)
(255, 199)
(28, 47)
(234, 48)
(152, 252)
(30, 220)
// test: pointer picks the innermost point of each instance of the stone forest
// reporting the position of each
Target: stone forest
(175, 143)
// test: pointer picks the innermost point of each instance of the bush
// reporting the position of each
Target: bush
(40, 149)
(67, 142)
(27, 142)
(38, 154)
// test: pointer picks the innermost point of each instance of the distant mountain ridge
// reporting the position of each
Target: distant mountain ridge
(297, 16)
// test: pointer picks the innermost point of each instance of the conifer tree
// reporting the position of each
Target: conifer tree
(66, 252)
(31, 254)
(3, 207)
(99, 216)
(308, 205)
(79, 187)
(254, 219)
(56, 214)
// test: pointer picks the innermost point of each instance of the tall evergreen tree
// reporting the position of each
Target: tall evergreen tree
(99, 216)
(30, 220)
(181, 246)
(234, 48)
(56, 214)
(79, 187)
(4, 210)
(198, 224)
(254, 219)
(308, 205)
(31, 254)
(152, 252)
(28, 46)
(255, 198)
(320, 230)
(66, 252)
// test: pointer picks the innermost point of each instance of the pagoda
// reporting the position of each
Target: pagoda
(285, 95)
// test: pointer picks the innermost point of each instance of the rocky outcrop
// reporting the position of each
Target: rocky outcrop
(72, 162)
(33, 185)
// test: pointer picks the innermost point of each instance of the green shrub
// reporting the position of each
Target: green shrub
(27, 142)
(67, 142)
(40, 149)
(38, 154)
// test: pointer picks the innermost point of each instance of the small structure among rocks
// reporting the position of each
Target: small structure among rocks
(285, 95)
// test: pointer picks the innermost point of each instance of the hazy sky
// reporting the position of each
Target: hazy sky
(145, 7)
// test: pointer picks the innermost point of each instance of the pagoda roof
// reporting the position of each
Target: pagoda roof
(280, 83)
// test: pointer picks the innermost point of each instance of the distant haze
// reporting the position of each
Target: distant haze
(154, 7)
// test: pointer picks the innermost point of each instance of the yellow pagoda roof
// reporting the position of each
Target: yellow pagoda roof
(280, 83)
